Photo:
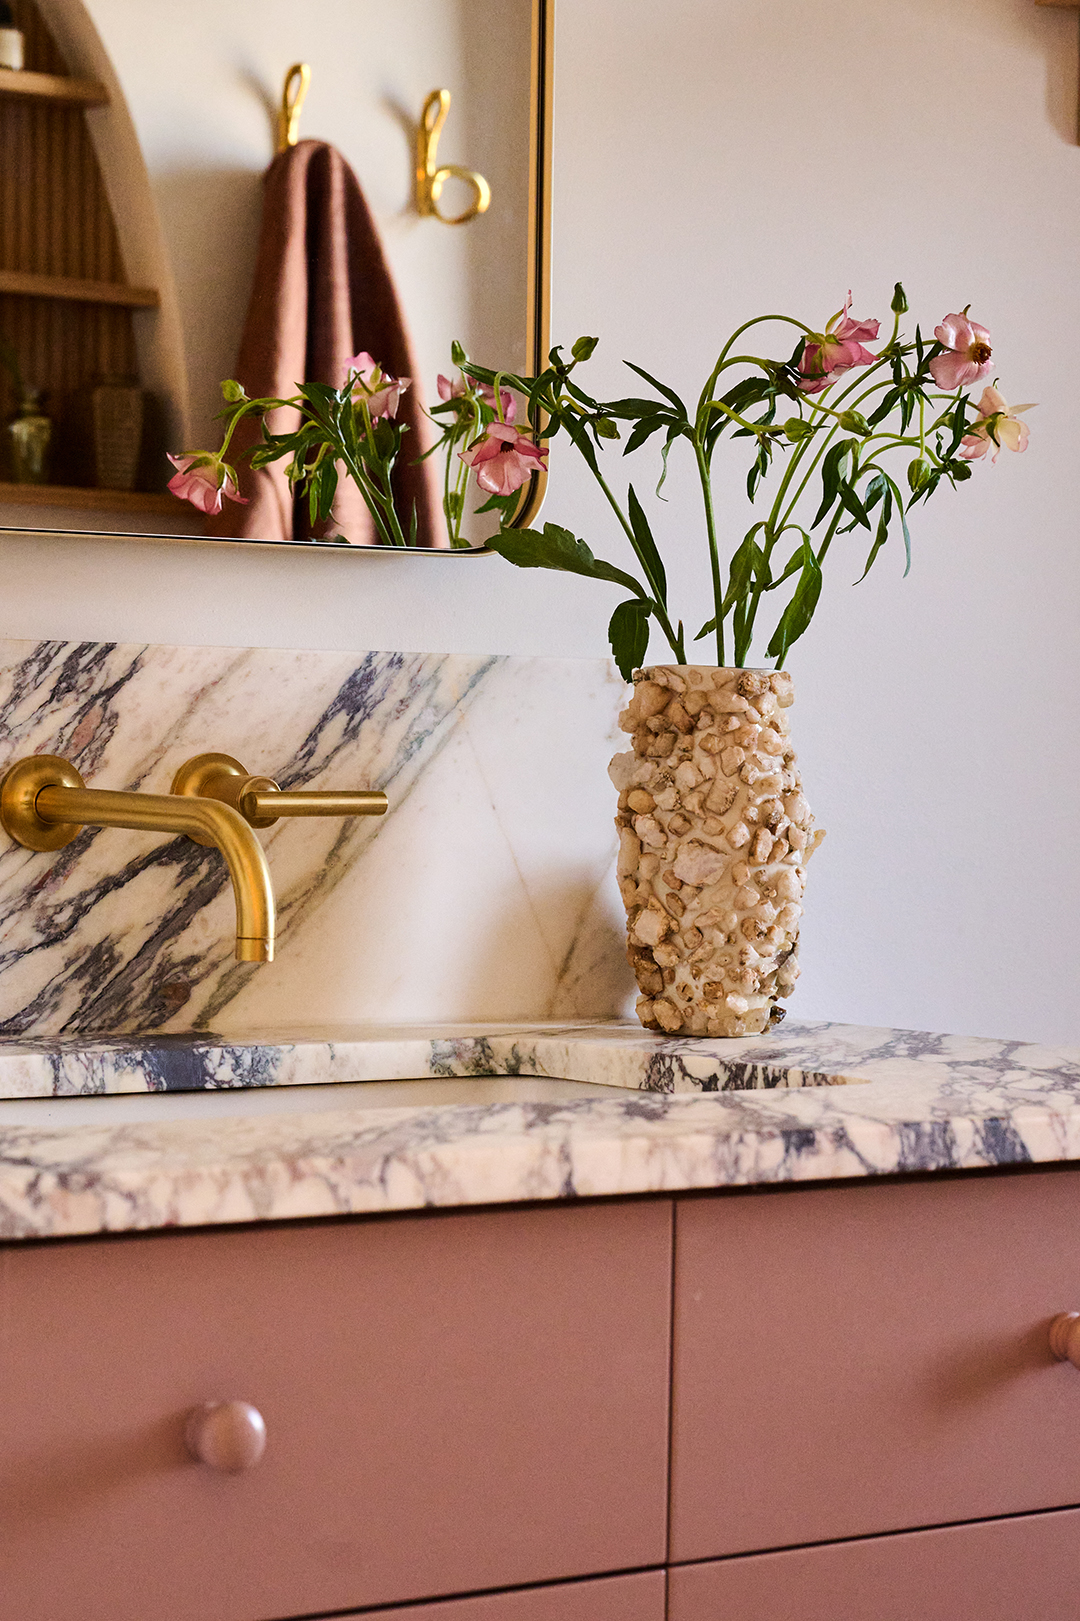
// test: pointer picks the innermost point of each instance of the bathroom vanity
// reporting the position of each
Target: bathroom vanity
(537, 1349)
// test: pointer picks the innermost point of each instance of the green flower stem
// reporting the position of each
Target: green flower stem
(705, 475)
(723, 361)
(829, 533)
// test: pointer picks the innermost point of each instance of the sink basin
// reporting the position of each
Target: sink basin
(140, 1108)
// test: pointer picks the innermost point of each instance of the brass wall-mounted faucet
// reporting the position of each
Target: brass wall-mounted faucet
(214, 800)
(44, 802)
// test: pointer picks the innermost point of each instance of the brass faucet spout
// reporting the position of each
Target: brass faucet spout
(44, 802)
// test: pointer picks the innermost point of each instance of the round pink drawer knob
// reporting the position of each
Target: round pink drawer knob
(1065, 1337)
(226, 1435)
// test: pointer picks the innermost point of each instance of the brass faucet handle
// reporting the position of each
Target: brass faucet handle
(19, 815)
(259, 799)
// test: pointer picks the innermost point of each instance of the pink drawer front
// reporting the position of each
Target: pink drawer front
(863, 1359)
(1026, 1569)
(453, 1403)
(616, 1598)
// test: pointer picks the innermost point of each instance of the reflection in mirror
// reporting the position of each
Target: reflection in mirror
(203, 88)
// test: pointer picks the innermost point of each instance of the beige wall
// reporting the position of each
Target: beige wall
(714, 157)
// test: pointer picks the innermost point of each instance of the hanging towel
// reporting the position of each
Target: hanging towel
(322, 293)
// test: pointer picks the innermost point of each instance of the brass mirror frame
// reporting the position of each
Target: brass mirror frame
(538, 289)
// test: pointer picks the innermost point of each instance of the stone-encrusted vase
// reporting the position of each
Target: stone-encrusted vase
(714, 836)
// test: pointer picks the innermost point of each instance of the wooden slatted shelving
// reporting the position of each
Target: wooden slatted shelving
(65, 306)
(90, 500)
(53, 87)
(78, 291)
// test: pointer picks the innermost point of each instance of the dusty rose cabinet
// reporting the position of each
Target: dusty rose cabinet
(874, 1358)
(468, 1413)
(453, 1403)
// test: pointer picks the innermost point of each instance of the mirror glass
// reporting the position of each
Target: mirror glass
(202, 83)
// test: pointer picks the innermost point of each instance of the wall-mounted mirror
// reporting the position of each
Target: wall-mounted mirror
(172, 116)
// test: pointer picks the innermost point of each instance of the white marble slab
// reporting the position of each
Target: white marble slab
(931, 1103)
(487, 892)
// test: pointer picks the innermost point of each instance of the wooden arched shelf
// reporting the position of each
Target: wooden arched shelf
(65, 305)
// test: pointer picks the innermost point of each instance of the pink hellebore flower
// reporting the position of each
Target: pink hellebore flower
(450, 391)
(204, 484)
(997, 425)
(381, 391)
(828, 355)
(503, 459)
(967, 353)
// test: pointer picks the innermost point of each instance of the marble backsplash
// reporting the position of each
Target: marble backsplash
(487, 892)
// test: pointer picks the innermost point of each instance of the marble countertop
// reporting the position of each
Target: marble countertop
(375, 1120)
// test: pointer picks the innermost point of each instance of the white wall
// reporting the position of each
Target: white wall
(712, 159)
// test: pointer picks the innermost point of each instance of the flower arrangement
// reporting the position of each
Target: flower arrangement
(854, 415)
(354, 427)
(843, 438)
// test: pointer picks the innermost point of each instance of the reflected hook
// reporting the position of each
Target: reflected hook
(292, 100)
(430, 178)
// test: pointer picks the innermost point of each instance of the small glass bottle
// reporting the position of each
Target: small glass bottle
(31, 437)
(11, 39)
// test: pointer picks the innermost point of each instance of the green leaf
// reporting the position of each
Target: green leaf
(831, 474)
(668, 393)
(647, 550)
(506, 504)
(557, 548)
(628, 633)
(758, 470)
(674, 432)
(706, 630)
(584, 348)
(748, 561)
(880, 538)
(898, 498)
(850, 500)
(800, 610)
(634, 407)
(644, 431)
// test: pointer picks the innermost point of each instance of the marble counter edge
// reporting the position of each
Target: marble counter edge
(86, 1180)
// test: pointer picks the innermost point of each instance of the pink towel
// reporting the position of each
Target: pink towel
(322, 293)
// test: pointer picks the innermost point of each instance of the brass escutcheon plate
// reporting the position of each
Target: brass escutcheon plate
(219, 776)
(18, 801)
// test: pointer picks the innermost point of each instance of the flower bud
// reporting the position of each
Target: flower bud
(796, 428)
(917, 474)
(606, 429)
(232, 392)
(854, 422)
(584, 347)
(899, 305)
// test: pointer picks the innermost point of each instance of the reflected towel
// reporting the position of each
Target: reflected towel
(322, 293)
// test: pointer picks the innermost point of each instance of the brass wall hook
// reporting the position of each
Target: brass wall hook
(430, 178)
(292, 100)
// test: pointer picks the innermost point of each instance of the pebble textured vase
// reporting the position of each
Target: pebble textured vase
(714, 836)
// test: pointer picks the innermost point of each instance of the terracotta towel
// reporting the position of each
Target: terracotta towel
(322, 293)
